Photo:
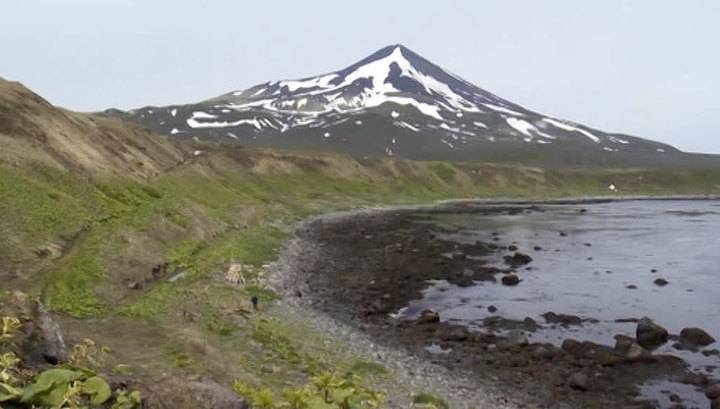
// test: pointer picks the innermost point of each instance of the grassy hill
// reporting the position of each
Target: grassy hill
(126, 235)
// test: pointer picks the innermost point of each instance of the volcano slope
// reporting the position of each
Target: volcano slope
(395, 103)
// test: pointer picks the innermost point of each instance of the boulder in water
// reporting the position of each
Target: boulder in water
(629, 348)
(510, 279)
(649, 334)
(562, 319)
(713, 392)
(518, 259)
(696, 336)
(428, 317)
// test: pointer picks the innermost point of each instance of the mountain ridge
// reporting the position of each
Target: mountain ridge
(397, 103)
(32, 130)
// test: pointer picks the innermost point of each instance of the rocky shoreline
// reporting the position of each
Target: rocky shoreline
(352, 271)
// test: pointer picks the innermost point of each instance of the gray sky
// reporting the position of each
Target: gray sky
(644, 67)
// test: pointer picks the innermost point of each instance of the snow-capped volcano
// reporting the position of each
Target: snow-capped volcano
(393, 103)
(393, 75)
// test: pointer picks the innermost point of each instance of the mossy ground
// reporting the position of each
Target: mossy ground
(224, 208)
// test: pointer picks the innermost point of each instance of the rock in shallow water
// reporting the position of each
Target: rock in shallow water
(696, 336)
(428, 317)
(458, 334)
(510, 280)
(629, 348)
(518, 259)
(713, 392)
(562, 319)
(649, 334)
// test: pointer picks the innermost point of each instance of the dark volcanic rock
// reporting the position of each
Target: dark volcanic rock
(696, 336)
(713, 392)
(428, 317)
(571, 345)
(542, 352)
(510, 279)
(44, 343)
(518, 259)
(562, 319)
(578, 381)
(629, 348)
(592, 352)
(455, 334)
(497, 322)
(649, 334)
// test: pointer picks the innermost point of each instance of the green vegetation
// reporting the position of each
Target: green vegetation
(68, 386)
(324, 391)
(429, 401)
(144, 263)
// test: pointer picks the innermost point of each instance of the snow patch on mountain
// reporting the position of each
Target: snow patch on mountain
(403, 124)
(503, 110)
(568, 127)
(203, 115)
(526, 128)
(194, 123)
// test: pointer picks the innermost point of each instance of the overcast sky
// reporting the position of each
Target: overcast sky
(644, 67)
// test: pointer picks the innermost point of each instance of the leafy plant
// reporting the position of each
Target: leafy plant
(125, 400)
(86, 353)
(54, 388)
(98, 390)
(9, 326)
(328, 390)
(8, 368)
(68, 387)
